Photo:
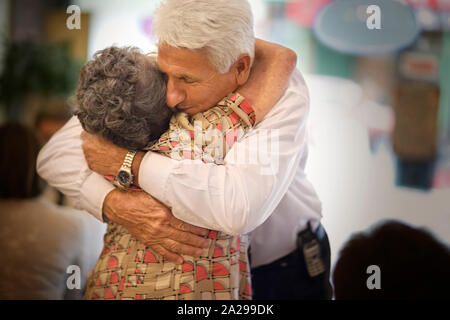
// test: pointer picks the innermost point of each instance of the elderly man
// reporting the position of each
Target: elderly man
(206, 50)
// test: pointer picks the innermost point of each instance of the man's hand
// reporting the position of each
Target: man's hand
(102, 156)
(106, 158)
(152, 223)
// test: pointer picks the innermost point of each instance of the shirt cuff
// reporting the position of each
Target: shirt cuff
(93, 193)
(154, 174)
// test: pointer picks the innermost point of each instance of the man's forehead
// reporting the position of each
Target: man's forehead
(173, 71)
(179, 67)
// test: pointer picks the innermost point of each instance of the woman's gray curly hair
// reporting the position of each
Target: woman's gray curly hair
(121, 96)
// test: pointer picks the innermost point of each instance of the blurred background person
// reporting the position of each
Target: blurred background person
(38, 239)
(412, 264)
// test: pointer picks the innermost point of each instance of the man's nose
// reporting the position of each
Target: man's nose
(175, 94)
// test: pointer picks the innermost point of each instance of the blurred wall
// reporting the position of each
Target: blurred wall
(5, 9)
(112, 24)
(27, 19)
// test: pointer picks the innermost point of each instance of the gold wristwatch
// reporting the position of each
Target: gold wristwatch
(124, 178)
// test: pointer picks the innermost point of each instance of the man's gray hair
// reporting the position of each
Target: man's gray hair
(223, 27)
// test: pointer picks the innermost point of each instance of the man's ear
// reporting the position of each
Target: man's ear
(242, 69)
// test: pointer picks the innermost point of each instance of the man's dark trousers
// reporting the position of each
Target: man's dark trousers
(287, 278)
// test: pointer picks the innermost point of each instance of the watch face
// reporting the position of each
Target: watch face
(123, 177)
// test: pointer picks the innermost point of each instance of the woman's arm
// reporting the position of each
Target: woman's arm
(271, 70)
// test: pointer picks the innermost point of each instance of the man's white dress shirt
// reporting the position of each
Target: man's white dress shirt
(261, 187)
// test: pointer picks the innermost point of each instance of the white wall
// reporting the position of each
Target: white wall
(118, 22)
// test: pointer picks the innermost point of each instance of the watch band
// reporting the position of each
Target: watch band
(129, 158)
(126, 167)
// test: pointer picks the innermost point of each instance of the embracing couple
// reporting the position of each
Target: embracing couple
(160, 160)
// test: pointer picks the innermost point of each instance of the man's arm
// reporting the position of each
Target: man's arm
(62, 164)
(238, 196)
(153, 224)
(268, 80)
(241, 194)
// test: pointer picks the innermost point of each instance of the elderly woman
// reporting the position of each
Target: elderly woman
(121, 97)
